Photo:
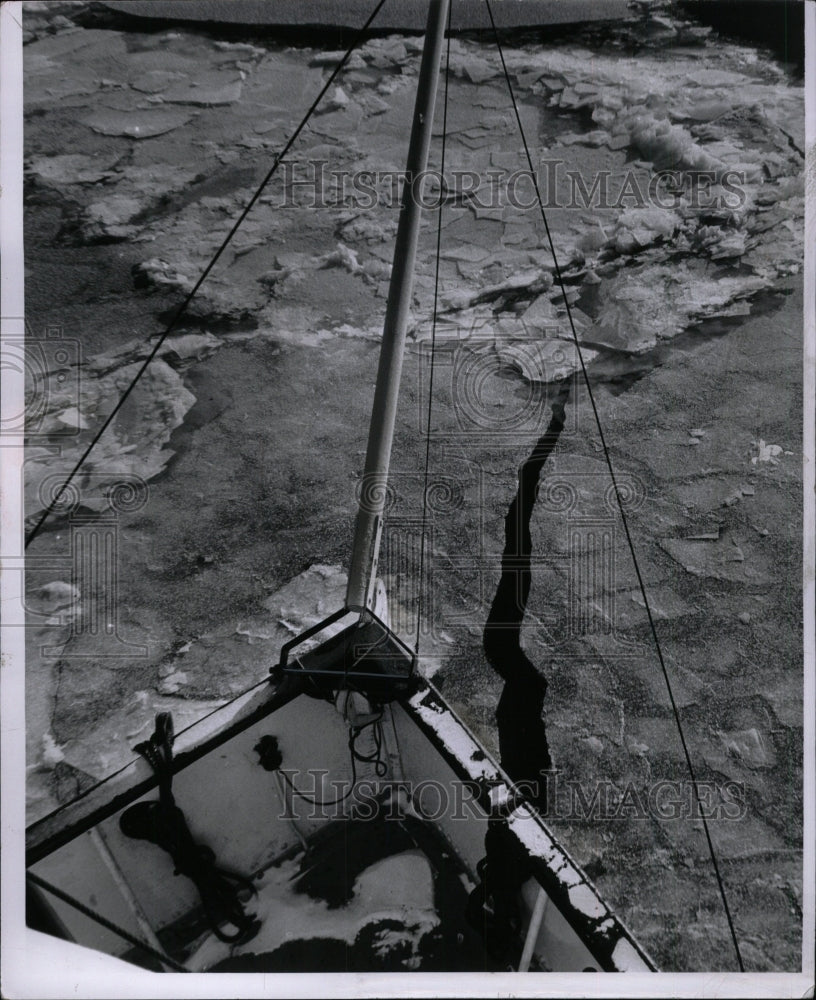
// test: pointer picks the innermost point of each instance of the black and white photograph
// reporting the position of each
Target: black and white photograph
(408, 492)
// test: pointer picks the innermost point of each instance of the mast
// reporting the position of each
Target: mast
(368, 528)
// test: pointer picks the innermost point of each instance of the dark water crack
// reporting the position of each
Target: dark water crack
(523, 746)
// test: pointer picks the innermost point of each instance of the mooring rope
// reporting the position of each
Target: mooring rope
(114, 774)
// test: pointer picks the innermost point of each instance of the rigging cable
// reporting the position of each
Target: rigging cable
(624, 520)
(103, 921)
(202, 278)
(442, 186)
